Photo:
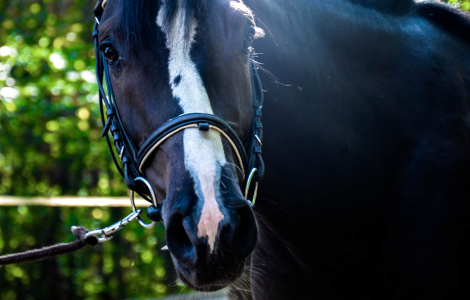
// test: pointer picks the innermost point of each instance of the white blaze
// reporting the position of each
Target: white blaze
(203, 151)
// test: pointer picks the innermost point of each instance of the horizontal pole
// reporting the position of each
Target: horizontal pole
(71, 201)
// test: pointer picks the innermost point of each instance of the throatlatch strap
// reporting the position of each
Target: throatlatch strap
(52, 251)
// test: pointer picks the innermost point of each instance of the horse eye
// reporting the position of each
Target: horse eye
(248, 39)
(111, 54)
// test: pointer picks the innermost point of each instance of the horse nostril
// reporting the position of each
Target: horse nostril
(178, 239)
(236, 235)
(247, 233)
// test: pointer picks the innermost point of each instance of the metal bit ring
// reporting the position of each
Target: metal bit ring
(247, 189)
(152, 196)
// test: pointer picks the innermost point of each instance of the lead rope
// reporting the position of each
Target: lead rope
(52, 251)
(84, 238)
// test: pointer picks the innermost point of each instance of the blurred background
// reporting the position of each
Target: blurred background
(50, 145)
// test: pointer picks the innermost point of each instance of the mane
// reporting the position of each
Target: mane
(446, 16)
(138, 16)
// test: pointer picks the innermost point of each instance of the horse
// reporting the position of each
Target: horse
(366, 139)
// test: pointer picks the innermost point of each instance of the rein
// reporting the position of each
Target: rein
(133, 159)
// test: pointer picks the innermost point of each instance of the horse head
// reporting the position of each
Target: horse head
(167, 60)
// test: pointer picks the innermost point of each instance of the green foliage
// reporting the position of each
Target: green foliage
(463, 4)
(49, 118)
(50, 145)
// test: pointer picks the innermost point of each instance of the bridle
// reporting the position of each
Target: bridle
(133, 159)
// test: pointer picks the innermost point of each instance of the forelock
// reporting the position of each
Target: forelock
(193, 9)
(136, 17)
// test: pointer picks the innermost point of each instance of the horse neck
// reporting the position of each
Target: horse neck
(385, 6)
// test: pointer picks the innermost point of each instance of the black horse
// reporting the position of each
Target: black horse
(367, 185)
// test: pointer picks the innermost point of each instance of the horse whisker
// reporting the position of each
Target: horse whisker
(270, 75)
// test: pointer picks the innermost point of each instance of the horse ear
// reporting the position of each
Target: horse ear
(99, 8)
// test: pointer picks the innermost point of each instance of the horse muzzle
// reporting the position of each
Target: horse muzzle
(207, 268)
